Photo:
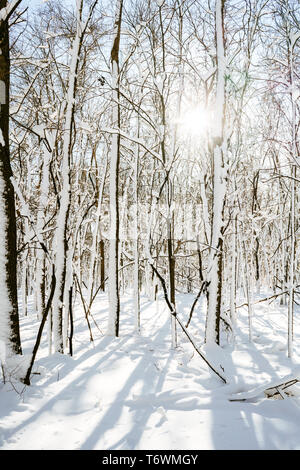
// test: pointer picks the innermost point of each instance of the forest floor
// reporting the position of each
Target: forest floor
(135, 392)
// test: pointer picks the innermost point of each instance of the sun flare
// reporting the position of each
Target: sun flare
(194, 121)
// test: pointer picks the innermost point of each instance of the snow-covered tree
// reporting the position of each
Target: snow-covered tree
(9, 316)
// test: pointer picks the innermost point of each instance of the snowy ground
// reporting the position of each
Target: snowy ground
(134, 392)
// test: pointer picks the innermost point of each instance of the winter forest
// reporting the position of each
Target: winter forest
(149, 224)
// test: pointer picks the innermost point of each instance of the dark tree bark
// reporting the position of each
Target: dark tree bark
(102, 265)
(7, 200)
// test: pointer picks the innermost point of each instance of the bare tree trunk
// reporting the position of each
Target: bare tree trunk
(214, 291)
(233, 274)
(114, 297)
(247, 284)
(41, 219)
(171, 266)
(292, 268)
(102, 265)
(136, 275)
(95, 241)
(65, 197)
(9, 315)
(293, 200)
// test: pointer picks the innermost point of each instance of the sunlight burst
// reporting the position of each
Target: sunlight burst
(194, 121)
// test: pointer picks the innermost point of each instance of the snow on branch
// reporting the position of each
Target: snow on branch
(154, 154)
(6, 12)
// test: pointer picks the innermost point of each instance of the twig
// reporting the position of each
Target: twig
(86, 312)
(194, 303)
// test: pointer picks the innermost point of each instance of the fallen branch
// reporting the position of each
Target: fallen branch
(26, 380)
(268, 389)
(245, 304)
(275, 390)
(174, 313)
